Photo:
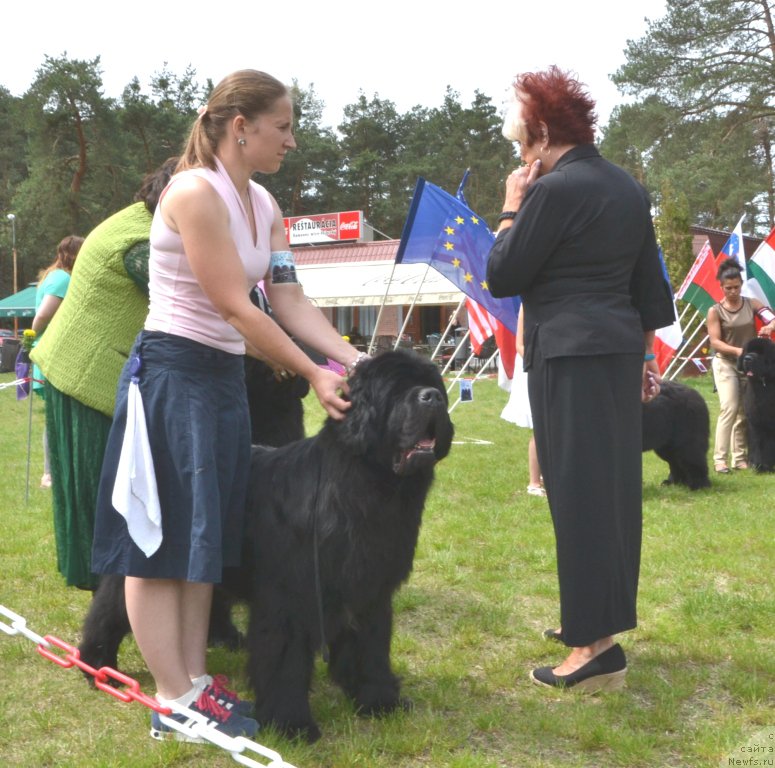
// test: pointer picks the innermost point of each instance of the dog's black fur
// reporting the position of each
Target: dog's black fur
(676, 426)
(334, 524)
(758, 364)
(276, 405)
(276, 418)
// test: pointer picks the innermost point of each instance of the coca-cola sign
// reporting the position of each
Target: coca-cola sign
(324, 227)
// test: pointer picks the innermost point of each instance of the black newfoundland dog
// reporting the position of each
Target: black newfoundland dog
(334, 521)
(676, 426)
(757, 363)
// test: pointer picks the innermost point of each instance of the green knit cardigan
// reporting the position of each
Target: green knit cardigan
(90, 336)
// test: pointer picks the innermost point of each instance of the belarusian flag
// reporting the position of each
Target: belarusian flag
(700, 286)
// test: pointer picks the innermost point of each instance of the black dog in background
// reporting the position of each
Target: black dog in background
(676, 426)
(757, 363)
(334, 520)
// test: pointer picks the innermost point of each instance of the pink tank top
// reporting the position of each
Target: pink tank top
(178, 305)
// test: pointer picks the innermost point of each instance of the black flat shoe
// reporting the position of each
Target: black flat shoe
(552, 634)
(603, 673)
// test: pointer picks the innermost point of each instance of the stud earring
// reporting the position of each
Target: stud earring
(241, 142)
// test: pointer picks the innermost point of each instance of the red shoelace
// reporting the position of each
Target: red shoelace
(220, 685)
(208, 706)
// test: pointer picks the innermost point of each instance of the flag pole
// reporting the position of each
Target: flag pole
(688, 339)
(379, 314)
(454, 355)
(411, 306)
(452, 319)
(692, 318)
(454, 315)
(478, 376)
(686, 359)
(684, 310)
(29, 440)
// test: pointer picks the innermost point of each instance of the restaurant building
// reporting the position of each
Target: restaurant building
(355, 281)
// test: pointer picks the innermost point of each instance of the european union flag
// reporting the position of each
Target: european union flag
(442, 231)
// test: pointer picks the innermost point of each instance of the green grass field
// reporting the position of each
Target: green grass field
(468, 630)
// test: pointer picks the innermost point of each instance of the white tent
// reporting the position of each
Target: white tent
(352, 284)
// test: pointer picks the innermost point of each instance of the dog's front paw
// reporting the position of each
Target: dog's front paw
(308, 731)
(379, 708)
(97, 658)
(291, 727)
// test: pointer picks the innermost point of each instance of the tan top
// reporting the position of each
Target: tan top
(737, 328)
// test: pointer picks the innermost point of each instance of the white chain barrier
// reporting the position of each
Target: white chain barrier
(198, 726)
(17, 382)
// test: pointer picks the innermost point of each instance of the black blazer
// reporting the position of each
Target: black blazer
(583, 256)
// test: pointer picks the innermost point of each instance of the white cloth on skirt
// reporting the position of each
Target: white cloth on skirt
(135, 496)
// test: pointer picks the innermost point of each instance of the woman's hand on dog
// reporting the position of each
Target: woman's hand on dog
(328, 386)
(767, 330)
(651, 381)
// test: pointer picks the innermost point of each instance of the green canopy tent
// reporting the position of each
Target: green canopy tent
(21, 304)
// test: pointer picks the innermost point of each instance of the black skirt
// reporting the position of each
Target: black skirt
(587, 422)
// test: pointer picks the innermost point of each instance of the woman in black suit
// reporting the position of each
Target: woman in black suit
(576, 242)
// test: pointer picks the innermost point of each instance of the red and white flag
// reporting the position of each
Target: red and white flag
(482, 325)
(667, 340)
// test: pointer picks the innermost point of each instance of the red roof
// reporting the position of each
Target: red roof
(378, 250)
(718, 239)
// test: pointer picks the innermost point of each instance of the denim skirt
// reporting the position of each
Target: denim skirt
(199, 432)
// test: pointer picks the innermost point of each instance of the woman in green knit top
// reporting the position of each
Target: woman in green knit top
(52, 288)
(81, 356)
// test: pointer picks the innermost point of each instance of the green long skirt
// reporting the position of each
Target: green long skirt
(77, 436)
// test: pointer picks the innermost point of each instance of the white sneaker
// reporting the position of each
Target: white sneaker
(536, 490)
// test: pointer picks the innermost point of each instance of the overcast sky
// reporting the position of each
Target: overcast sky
(404, 51)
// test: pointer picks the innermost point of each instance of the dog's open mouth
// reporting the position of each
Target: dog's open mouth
(422, 449)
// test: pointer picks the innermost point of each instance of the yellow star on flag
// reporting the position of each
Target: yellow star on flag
(449, 246)
(460, 220)
(484, 285)
(449, 231)
(468, 277)
(474, 220)
(456, 262)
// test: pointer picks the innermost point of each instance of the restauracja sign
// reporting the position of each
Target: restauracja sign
(324, 227)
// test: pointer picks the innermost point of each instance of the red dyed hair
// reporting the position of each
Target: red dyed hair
(559, 100)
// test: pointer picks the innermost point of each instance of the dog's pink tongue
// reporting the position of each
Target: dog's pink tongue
(427, 443)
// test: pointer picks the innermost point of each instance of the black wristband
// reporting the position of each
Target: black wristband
(507, 215)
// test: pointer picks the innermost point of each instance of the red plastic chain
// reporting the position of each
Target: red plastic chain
(101, 676)
(236, 747)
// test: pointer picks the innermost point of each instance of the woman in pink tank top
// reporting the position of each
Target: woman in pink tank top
(215, 233)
